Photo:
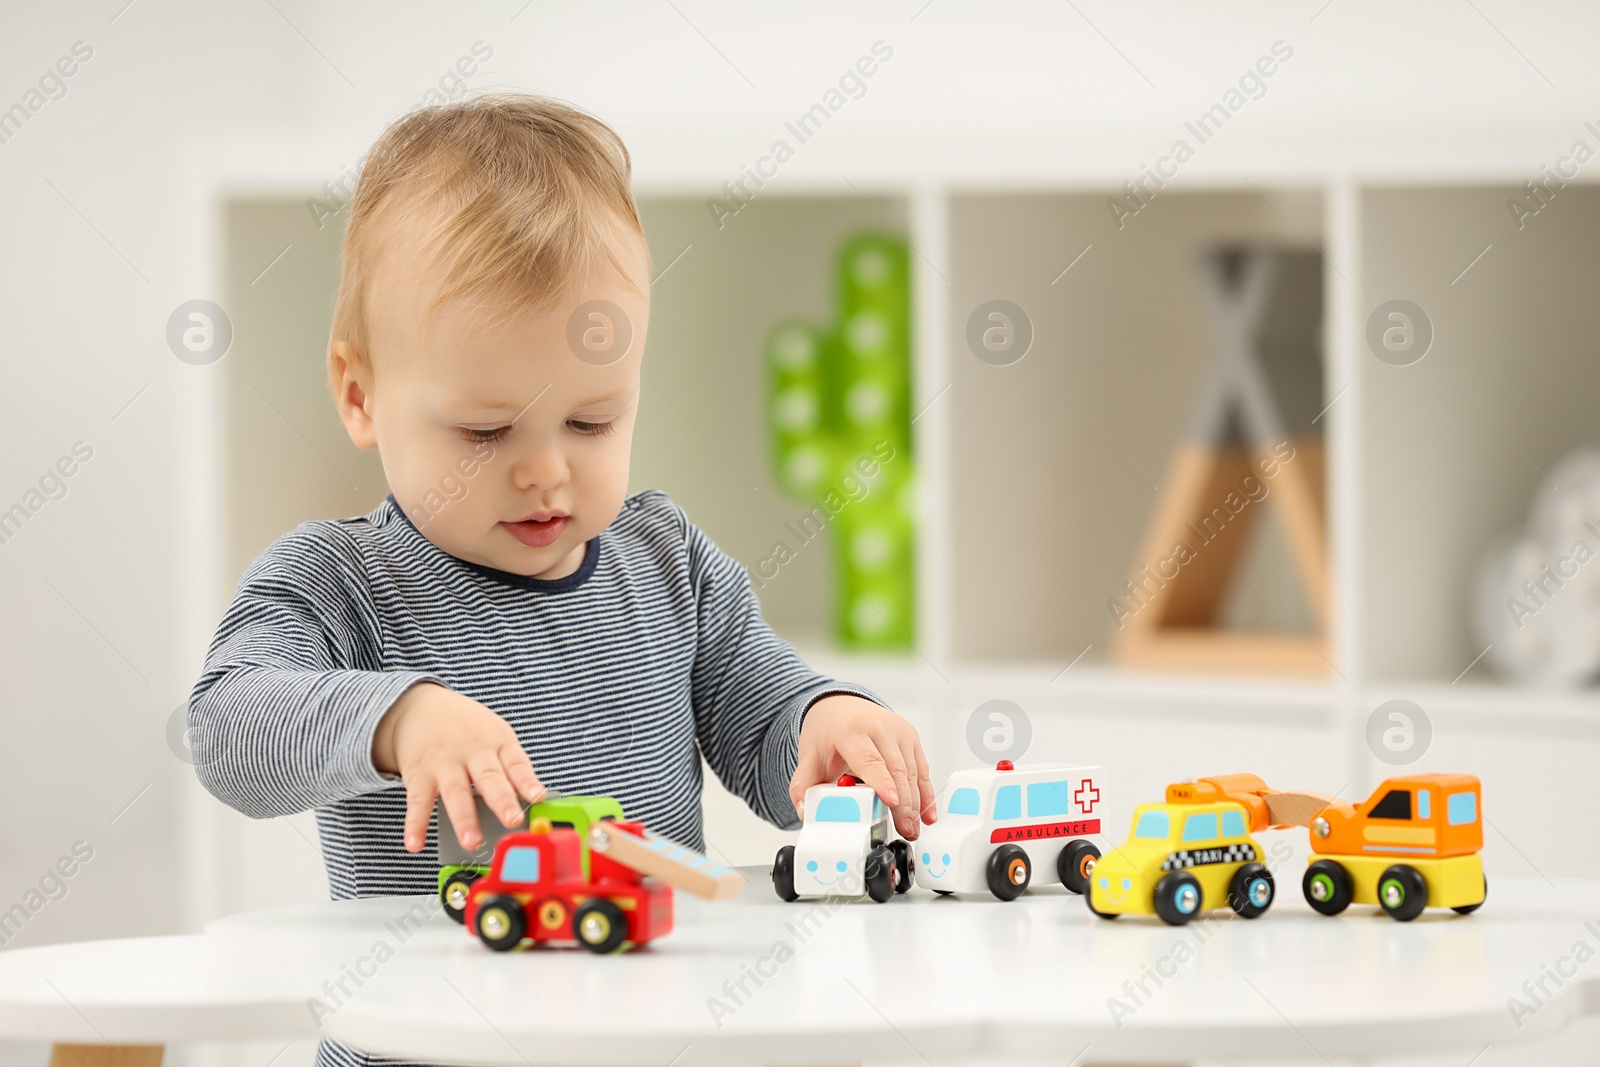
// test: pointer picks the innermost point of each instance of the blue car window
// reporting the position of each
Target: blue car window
(1154, 824)
(1008, 802)
(1233, 823)
(838, 809)
(1462, 808)
(1047, 798)
(1424, 804)
(521, 865)
(963, 802)
(1201, 827)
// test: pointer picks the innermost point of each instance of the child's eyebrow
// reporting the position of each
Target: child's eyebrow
(487, 406)
(496, 407)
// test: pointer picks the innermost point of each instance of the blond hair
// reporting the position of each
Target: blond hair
(523, 194)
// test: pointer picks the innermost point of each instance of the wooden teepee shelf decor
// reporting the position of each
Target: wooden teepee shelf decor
(1254, 444)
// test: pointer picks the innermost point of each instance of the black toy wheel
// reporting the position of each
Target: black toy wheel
(783, 874)
(880, 873)
(1009, 872)
(1468, 909)
(1177, 897)
(904, 865)
(600, 926)
(501, 923)
(1076, 864)
(1326, 886)
(453, 894)
(1402, 892)
(1251, 890)
(943, 892)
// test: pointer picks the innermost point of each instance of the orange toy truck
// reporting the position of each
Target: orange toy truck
(1412, 845)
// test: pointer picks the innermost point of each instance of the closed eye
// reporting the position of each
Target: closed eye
(484, 435)
(593, 429)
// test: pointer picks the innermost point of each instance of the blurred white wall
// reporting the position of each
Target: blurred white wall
(91, 257)
(93, 246)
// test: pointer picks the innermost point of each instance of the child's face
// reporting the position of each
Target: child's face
(481, 430)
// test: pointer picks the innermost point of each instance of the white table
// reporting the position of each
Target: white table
(919, 978)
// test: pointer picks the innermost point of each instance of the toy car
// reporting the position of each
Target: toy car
(1190, 854)
(1003, 828)
(536, 889)
(1412, 845)
(605, 889)
(460, 868)
(844, 847)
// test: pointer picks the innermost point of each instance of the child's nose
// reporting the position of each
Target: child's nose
(540, 466)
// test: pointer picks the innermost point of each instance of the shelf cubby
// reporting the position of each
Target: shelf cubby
(702, 432)
(1457, 445)
(1056, 458)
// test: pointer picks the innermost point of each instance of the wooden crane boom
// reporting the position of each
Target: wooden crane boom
(666, 861)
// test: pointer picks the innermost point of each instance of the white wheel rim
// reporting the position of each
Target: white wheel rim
(595, 928)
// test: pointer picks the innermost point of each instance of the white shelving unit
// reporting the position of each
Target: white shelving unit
(1031, 508)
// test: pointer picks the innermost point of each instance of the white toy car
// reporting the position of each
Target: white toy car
(844, 848)
(1002, 829)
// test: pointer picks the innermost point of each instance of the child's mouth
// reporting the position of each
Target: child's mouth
(537, 534)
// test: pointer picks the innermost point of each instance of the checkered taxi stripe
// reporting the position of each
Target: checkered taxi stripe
(1240, 853)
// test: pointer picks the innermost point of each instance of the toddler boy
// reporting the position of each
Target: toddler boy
(508, 618)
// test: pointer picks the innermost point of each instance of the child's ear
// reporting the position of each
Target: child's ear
(347, 372)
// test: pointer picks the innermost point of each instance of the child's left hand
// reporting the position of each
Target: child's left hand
(844, 733)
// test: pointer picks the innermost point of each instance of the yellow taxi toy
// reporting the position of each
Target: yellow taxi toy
(1190, 854)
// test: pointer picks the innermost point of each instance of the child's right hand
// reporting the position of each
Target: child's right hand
(442, 744)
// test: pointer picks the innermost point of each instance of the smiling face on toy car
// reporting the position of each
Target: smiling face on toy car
(1209, 840)
(814, 869)
(841, 826)
(939, 848)
(1120, 880)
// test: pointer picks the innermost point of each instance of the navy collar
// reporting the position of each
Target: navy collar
(591, 558)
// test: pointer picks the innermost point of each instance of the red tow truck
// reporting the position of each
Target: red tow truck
(537, 890)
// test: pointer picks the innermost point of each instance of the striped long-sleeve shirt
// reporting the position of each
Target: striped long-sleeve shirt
(616, 678)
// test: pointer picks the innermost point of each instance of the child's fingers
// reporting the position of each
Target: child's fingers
(861, 755)
(419, 809)
(807, 773)
(894, 757)
(495, 788)
(520, 771)
(456, 793)
(908, 821)
(926, 807)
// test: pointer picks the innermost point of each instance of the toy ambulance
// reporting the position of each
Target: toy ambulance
(844, 847)
(1002, 829)
(1190, 854)
(1412, 845)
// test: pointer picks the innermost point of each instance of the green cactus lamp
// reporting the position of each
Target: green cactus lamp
(839, 408)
